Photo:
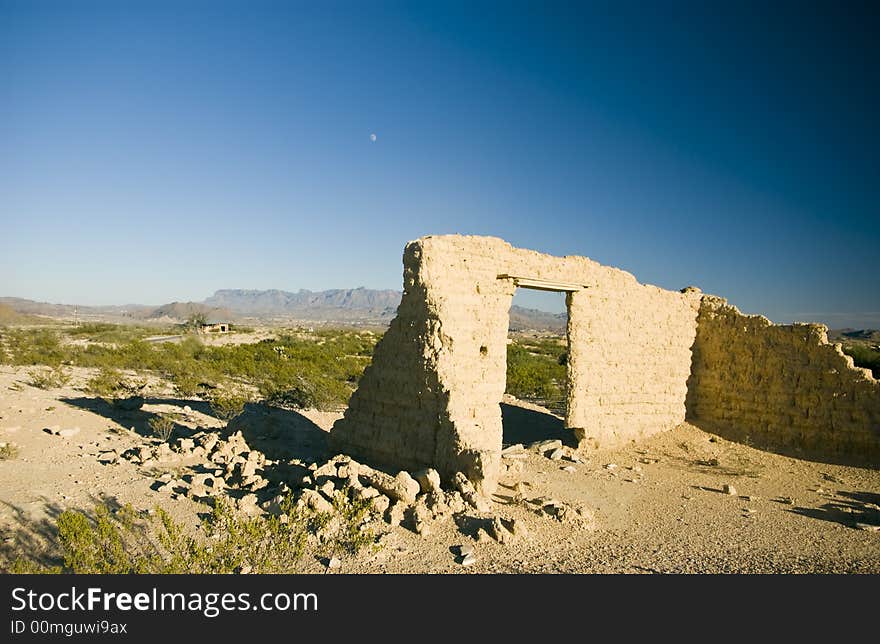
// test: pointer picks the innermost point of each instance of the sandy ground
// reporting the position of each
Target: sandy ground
(659, 506)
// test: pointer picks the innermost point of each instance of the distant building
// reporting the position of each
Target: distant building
(214, 327)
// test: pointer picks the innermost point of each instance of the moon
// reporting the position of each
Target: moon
(373, 137)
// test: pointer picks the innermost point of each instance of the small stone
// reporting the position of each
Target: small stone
(498, 532)
(546, 446)
(610, 466)
(187, 408)
(429, 480)
(469, 559)
(869, 527)
(569, 468)
(466, 549)
(314, 500)
(396, 512)
(482, 536)
(328, 489)
(512, 449)
(381, 503)
(556, 454)
(728, 489)
(68, 433)
(334, 563)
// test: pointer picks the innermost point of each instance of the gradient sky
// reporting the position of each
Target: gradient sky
(155, 151)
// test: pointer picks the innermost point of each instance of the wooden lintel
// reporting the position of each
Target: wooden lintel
(543, 285)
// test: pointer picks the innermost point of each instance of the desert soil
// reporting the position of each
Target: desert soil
(659, 506)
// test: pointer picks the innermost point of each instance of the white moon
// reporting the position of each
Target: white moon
(373, 138)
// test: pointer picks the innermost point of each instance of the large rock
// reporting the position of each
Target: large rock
(402, 487)
(429, 481)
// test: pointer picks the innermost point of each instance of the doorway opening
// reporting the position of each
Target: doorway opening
(535, 403)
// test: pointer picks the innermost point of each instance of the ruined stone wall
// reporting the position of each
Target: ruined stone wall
(780, 386)
(431, 396)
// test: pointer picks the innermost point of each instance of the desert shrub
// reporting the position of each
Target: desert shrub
(186, 385)
(320, 368)
(864, 357)
(163, 426)
(226, 405)
(8, 451)
(227, 542)
(36, 347)
(105, 383)
(49, 378)
(535, 375)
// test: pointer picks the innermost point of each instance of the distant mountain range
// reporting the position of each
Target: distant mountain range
(336, 304)
(358, 305)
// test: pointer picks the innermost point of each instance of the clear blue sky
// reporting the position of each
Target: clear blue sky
(158, 151)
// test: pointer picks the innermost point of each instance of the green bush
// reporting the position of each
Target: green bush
(163, 426)
(320, 369)
(228, 542)
(535, 372)
(49, 378)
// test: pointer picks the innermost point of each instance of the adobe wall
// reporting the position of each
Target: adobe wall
(780, 386)
(431, 396)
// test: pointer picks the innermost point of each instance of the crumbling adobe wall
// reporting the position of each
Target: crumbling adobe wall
(780, 386)
(431, 396)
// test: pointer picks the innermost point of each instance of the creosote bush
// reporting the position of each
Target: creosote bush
(50, 377)
(124, 542)
(320, 368)
(163, 426)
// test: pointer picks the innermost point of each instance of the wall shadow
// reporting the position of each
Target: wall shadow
(854, 508)
(136, 420)
(525, 426)
(280, 434)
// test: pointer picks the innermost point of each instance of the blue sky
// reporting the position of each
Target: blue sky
(155, 151)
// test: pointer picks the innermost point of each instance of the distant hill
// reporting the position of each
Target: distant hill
(182, 311)
(9, 315)
(336, 304)
(869, 335)
(523, 319)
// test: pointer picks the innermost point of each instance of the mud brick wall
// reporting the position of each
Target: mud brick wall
(431, 396)
(780, 386)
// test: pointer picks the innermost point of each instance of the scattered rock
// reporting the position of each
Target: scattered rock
(396, 513)
(869, 527)
(334, 563)
(381, 503)
(610, 466)
(469, 559)
(546, 446)
(314, 500)
(429, 481)
(466, 549)
(556, 454)
(728, 489)
(569, 468)
(498, 532)
(402, 487)
(67, 433)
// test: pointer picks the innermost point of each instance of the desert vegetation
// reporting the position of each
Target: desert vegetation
(294, 370)
(536, 369)
(317, 369)
(121, 540)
